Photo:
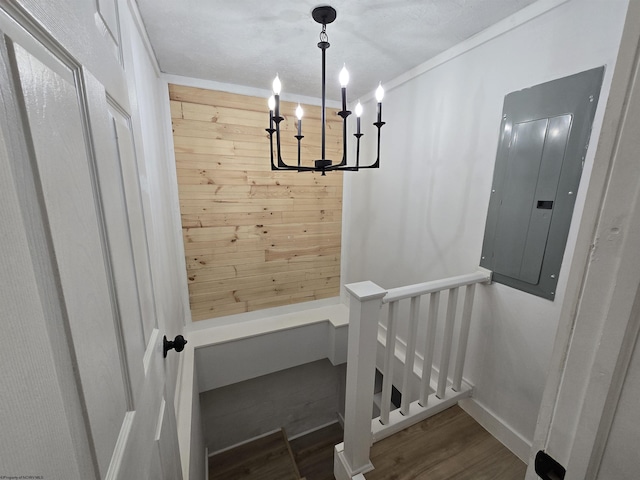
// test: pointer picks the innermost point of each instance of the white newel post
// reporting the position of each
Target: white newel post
(352, 457)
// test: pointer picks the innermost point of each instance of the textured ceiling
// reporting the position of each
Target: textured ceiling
(246, 42)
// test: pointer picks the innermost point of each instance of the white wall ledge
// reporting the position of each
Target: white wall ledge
(228, 353)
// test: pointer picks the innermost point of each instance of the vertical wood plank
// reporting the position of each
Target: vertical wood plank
(446, 342)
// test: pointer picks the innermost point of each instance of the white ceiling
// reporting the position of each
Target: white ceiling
(246, 42)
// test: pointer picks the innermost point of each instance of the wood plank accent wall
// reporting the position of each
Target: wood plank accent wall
(253, 238)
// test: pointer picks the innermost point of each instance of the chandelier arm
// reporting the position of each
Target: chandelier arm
(344, 115)
(278, 119)
(303, 169)
(281, 164)
(376, 164)
(338, 167)
(299, 137)
(270, 131)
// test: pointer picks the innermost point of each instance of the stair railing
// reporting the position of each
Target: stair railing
(436, 392)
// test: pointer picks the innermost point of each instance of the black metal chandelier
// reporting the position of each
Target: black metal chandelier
(323, 15)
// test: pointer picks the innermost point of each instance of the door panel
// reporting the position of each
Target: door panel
(107, 12)
(80, 145)
(133, 208)
(67, 177)
(118, 235)
(166, 439)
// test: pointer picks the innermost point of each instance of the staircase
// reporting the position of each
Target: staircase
(273, 457)
(428, 386)
(266, 458)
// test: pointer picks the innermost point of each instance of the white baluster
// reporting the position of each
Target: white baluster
(410, 355)
(430, 339)
(387, 369)
(464, 336)
(446, 342)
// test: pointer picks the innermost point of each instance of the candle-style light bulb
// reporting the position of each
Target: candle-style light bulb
(344, 79)
(299, 113)
(344, 76)
(277, 86)
(379, 97)
(379, 93)
(358, 109)
(272, 105)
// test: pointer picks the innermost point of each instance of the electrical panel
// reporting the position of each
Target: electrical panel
(545, 133)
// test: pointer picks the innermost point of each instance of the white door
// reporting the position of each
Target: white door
(588, 420)
(71, 154)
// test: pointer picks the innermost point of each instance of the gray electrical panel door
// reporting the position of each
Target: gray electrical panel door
(544, 136)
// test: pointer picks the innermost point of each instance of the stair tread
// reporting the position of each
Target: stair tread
(266, 458)
(314, 452)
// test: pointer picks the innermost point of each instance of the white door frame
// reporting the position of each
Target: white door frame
(599, 319)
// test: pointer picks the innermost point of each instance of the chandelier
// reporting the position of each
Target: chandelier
(323, 15)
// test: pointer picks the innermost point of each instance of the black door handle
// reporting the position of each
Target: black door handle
(177, 343)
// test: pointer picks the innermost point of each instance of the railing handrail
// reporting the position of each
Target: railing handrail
(366, 299)
(417, 289)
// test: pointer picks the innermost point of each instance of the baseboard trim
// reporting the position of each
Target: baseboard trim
(244, 442)
(520, 446)
(311, 430)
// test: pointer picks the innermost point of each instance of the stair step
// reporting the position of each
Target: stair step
(266, 458)
(314, 452)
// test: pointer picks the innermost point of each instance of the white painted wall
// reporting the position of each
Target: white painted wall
(421, 216)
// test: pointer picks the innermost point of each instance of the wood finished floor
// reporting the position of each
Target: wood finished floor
(267, 458)
(314, 452)
(450, 445)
